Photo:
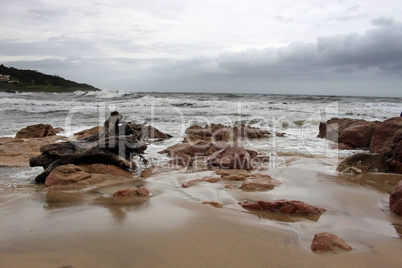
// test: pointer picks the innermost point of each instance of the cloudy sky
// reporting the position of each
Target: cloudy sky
(291, 47)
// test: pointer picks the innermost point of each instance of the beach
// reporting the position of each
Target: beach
(84, 226)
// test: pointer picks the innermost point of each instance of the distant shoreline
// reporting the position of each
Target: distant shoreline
(43, 89)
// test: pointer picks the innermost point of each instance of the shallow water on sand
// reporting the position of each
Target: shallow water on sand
(85, 227)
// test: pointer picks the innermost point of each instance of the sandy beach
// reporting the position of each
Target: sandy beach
(73, 226)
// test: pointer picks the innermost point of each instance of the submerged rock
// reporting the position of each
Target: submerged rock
(325, 241)
(292, 207)
(233, 174)
(363, 162)
(206, 179)
(259, 182)
(213, 203)
(387, 140)
(139, 192)
(395, 199)
(36, 131)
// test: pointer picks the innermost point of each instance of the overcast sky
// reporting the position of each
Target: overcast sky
(290, 47)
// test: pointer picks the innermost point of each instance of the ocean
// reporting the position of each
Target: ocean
(76, 227)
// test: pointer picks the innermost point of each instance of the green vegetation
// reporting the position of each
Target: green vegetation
(34, 81)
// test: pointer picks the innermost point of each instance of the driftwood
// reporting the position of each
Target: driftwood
(116, 145)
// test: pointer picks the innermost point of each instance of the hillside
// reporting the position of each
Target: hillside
(34, 81)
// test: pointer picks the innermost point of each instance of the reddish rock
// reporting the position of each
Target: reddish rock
(17, 152)
(233, 174)
(292, 207)
(259, 182)
(206, 179)
(395, 199)
(139, 192)
(363, 162)
(199, 148)
(387, 140)
(88, 132)
(213, 203)
(36, 131)
(353, 133)
(232, 157)
(85, 174)
(219, 132)
(181, 160)
(325, 241)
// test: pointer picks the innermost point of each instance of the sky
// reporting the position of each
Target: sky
(331, 47)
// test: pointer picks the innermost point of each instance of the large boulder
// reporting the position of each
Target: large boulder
(17, 152)
(326, 242)
(362, 163)
(233, 157)
(387, 140)
(351, 133)
(36, 131)
(85, 174)
(395, 199)
(292, 207)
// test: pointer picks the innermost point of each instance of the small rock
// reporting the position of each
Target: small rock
(213, 203)
(36, 131)
(259, 182)
(325, 241)
(141, 191)
(292, 207)
(206, 179)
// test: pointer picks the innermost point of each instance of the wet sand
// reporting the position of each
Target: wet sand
(85, 227)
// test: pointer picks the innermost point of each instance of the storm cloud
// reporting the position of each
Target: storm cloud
(336, 47)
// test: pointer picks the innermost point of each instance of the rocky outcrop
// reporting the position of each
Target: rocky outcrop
(387, 140)
(85, 174)
(351, 133)
(363, 162)
(17, 152)
(115, 145)
(324, 242)
(233, 157)
(259, 182)
(395, 199)
(292, 207)
(36, 131)
(219, 132)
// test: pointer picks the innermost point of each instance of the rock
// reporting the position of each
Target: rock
(219, 132)
(88, 132)
(36, 131)
(85, 174)
(206, 179)
(181, 160)
(199, 148)
(387, 140)
(17, 152)
(325, 241)
(395, 199)
(232, 157)
(259, 182)
(139, 192)
(293, 207)
(363, 162)
(213, 203)
(233, 174)
(353, 133)
(115, 145)
(341, 146)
